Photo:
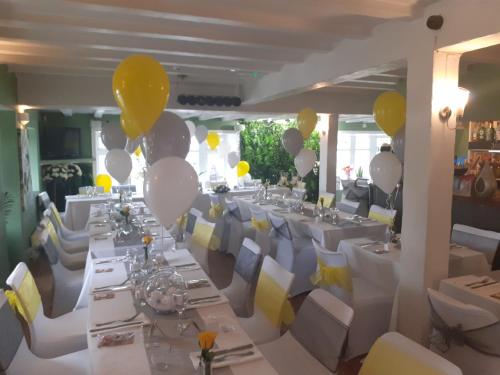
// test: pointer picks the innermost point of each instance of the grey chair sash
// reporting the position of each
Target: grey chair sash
(191, 221)
(484, 339)
(234, 210)
(247, 264)
(44, 199)
(320, 333)
(280, 228)
(10, 336)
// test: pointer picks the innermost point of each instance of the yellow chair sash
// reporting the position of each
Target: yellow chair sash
(56, 215)
(386, 359)
(332, 276)
(327, 201)
(272, 299)
(384, 219)
(52, 233)
(204, 237)
(260, 225)
(27, 301)
(182, 221)
(215, 211)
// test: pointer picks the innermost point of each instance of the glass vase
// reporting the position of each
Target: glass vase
(205, 367)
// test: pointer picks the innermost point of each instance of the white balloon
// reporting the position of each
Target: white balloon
(233, 159)
(191, 127)
(132, 144)
(386, 171)
(113, 136)
(170, 188)
(304, 161)
(119, 164)
(201, 133)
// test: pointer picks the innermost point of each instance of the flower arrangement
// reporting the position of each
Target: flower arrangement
(322, 202)
(146, 240)
(125, 212)
(206, 341)
(63, 171)
(347, 170)
(221, 189)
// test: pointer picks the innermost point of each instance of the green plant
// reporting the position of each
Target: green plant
(260, 146)
(5, 205)
(359, 173)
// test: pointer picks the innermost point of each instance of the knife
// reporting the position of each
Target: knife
(227, 356)
(484, 284)
(235, 349)
(136, 323)
(203, 298)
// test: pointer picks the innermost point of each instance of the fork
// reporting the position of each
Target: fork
(112, 286)
(118, 321)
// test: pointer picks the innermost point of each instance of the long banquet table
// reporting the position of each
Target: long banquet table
(328, 234)
(141, 356)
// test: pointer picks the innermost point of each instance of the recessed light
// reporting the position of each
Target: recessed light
(232, 70)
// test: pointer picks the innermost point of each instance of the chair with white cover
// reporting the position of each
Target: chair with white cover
(237, 227)
(395, 354)
(372, 303)
(246, 270)
(44, 199)
(260, 223)
(17, 359)
(382, 215)
(73, 261)
(484, 241)
(67, 283)
(75, 238)
(294, 252)
(271, 306)
(315, 342)
(464, 334)
(187, 221)
(216, 214)
(328, 199)
(49, 337)
(348, 206)
(202, 241)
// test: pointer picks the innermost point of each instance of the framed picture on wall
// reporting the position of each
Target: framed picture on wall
(24, 166)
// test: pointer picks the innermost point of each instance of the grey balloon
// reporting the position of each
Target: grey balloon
(398, 145)
(112, 136)
(169, 137)
(292, 141)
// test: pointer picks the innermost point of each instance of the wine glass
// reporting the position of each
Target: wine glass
(180, 296)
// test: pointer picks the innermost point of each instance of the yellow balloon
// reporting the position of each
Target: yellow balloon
(138, 152)
(103, 180)
(132, 130)
(242, 168)
(141, 88)
(389, 111)
(307, 120)
(213, 140)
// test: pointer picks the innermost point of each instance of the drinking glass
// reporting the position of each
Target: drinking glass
(180, 299)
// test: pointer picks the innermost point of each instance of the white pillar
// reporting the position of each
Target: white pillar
(427, 191)
(328, 129)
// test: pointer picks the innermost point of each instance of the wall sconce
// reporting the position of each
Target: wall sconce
(22, 119)
(457, 101)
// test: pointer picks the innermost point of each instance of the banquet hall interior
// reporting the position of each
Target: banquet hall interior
(250, 187)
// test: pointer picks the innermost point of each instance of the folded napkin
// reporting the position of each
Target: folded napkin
(105, 295)
(230, 361)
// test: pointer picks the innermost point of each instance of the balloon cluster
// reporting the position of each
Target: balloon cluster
(141, 88)
(293, 141)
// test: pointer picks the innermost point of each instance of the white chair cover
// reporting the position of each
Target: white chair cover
(237, 226)
(17, 359)
(67, 283)
(394, 354)
(192, 215)
(485, 241)
(49, 337)
(77, 236)
(466, 335)
(262, 237)
(69, 246)
(202, 242)
(271, 307)
(246, 270)
(295, 253)
(346, 205)
(382, 215)
(44, 199)
(372, 304)
(315, 342)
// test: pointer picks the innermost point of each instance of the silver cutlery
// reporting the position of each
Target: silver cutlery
(185, 265)
(203, 298)
(117, 289)
(481, 281)
(112, 286)
(118, 321)
(234, 349)
(114, 260)
(484, 284)
(227, 356)
(95, 331)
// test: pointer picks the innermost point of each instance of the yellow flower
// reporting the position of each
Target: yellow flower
(126, 209)
(206, 340)
(322, 200)
(146, 240)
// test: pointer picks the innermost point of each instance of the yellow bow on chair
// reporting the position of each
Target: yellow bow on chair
(182, 221)
(215, 211)
(29, 294)
(331, 275)
(273, 301)
(260, 225)
(381, 218)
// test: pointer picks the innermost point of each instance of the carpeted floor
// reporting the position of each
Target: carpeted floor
(221, 266)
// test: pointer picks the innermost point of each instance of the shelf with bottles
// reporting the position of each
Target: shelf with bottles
(484, 135)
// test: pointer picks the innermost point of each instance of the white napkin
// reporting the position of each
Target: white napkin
(231, 361)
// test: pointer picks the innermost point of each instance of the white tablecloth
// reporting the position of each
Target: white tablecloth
(77, 210)
(329, 235)
(383, 269)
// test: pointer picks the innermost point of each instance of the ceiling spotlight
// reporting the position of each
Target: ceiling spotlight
(232, 70)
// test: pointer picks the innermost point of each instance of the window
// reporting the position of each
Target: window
(357, 149)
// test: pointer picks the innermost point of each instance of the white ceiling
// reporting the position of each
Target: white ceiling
(219, 41)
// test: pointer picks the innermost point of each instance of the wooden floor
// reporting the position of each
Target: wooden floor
(221, 267)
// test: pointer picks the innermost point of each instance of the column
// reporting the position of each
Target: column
(328, 129)
(427, 193)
